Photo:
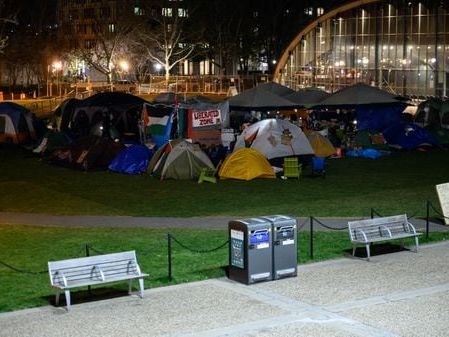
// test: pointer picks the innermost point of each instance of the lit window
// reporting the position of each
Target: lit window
(167, 12)
(138, 11)
(320, 11)
(308, 11)
(182, 13)
(111, 28)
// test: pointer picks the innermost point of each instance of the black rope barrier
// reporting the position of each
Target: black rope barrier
(437, 212)
(199, 251)
(329, 227)
(22, 271)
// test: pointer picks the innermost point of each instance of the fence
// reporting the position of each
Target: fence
(87, 248)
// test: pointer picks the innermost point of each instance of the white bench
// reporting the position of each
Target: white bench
(366, 232)
(94, 270)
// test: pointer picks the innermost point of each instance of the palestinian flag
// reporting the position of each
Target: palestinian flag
(158, 117)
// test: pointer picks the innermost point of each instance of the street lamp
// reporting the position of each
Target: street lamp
(57, 66)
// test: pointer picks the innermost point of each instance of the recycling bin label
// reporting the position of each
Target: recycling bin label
(260, 238)
(237, 252)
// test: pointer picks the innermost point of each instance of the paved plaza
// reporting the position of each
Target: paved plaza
(397, 294)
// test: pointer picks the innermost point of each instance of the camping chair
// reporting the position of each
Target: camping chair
(207, 174)
(318, 166)
(292, 169)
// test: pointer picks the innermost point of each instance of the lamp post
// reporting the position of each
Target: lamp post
(57, 66)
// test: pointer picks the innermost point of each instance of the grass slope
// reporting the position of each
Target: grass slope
(398, 183)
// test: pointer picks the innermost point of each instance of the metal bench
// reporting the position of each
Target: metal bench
(94, 270)
(366, 232)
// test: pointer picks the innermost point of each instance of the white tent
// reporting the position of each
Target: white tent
(275, 138)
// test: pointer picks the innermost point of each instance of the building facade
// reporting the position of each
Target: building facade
(401, 46)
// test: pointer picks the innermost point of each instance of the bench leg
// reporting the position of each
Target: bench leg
(141, 287)
(57, 297)
(353, 250)
(416, 244)
(67, 299)
(368, 253)
(130, 287)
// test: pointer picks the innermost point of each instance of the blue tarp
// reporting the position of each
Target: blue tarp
(408, 136)
(378, 117)
(366, 153)
(132, 160)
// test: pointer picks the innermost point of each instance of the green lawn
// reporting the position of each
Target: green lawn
(398, 183)
(29, 248)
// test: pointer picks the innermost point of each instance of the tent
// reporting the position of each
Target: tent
(321, 145)
(64, 113)
(375, 108)
(112, 111)
(179, 160)
(408, 136)
(433, 114)
(246, 164)
(132, 160)
(267, 96)
(275, 138)
(88, 153)
(16, 124)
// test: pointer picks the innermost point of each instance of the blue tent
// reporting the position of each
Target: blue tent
(132, 160)
(378, 116)
(408, 136)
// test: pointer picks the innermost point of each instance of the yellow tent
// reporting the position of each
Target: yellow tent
(246, 164)
(321, 145)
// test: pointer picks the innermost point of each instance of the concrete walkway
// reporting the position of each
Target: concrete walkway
(216, 222)
(397, 294)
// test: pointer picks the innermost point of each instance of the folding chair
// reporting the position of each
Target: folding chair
(292, 169)
(207, 174)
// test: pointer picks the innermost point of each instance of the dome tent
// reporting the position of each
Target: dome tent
(16, 123)
(246, 164)
(275, 138)
(179, 160)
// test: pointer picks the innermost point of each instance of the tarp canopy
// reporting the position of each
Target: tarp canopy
(307, 97)
(360, 94)
(183, 160)
(132, 160)
(16, 123)
(408, 136)
(267, 96)
(246, 164)
(275, 138)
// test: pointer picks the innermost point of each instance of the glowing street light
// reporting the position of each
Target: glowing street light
(57, 66)
(124, 66)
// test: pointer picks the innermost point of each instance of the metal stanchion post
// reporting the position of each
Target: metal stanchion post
(89, 290)
(311, 237)
(427, 218)
(169, 257)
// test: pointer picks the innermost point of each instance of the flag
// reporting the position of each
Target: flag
(145, 118)
(159, 117)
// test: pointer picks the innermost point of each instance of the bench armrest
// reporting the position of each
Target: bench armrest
(356, 231)
(411, 227)
(382, 227)
(64, 279)
(99, 271)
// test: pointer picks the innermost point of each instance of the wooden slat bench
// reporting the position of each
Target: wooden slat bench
(366, 232)
(94, 270)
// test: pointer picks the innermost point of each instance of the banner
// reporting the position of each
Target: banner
(205, 118)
